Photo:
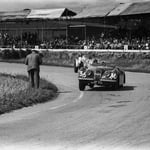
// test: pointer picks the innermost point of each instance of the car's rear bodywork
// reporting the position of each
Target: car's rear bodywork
(101, 75)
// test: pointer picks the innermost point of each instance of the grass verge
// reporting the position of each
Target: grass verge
(15, 93)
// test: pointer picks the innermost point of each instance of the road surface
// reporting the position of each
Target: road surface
(97, 119)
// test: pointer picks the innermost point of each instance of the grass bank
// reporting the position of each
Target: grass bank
(15, 93)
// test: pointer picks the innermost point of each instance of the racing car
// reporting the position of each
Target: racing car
(101, 74)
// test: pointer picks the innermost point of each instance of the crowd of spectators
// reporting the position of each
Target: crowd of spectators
(30, 40)
(99, 43)
(117, 43)
(24, 41)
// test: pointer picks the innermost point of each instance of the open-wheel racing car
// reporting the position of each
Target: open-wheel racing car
(101, 74)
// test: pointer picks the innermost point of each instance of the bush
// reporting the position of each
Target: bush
(6, 54)
(15, 93)
(14, 54)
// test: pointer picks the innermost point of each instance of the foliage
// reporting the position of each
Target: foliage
(15, 93)
(14, 54)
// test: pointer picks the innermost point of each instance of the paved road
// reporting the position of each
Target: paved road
(97, 119)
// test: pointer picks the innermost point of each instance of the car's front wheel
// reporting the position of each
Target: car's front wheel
(81, 85)
(91, 85)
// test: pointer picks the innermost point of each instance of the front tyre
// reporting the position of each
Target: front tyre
(91, 85)
(81, 85)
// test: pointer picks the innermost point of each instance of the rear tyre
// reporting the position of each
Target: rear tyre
(81, 85)
(124, 78)
(121, 86)
(81, 65)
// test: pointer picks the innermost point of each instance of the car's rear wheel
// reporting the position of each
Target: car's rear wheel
(81, 64)
(124, 78)
(81, 85)
(121, 86)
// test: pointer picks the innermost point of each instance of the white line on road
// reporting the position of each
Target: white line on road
(74, 101)
(16, 115)
(56, 107)
(80, 96)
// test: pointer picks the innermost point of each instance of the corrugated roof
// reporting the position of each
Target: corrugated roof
(50, 13)
(119, 9)
(99, 11)
(14, 14)
(113, 10)
(137, 8)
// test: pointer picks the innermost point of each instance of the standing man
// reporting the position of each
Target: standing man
(33, 62)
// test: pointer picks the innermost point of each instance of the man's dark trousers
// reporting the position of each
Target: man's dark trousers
(34, 78)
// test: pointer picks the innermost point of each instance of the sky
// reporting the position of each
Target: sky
(12, 5)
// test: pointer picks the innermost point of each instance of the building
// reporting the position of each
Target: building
(33, 27)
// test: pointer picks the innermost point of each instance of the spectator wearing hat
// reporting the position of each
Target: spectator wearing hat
(33, 62)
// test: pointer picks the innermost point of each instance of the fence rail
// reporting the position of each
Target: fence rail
(82, 50)
(95, 50)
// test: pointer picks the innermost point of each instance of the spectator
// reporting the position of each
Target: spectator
(33, 62)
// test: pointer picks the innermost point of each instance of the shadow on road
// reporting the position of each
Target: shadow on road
(125, 88)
